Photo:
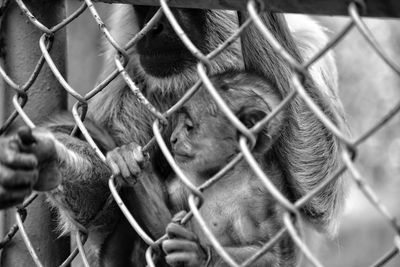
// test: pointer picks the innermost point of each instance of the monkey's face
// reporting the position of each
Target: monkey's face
(161, 52)
(202, 142)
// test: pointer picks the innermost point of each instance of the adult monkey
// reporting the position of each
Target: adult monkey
(164, 69)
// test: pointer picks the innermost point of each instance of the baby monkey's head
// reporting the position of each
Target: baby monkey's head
(204, 140)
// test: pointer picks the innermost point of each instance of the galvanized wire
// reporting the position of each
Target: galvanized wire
(291, 217)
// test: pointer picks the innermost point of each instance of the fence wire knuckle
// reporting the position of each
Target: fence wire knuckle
(292, 220)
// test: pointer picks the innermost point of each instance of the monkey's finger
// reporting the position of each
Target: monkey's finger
(12, 179)
(119, 168)
(7, 195)
(49, 177)
(122, 164)
(23, 161)
(9, 198)
(178, 258)
(179, 216)
(113, 166)
(12, 157)
(172, 245)
(10, 203)
(138, 155)
(43, 146)
(131, 163)
(25, 135)
(175, 230)
(117, 163)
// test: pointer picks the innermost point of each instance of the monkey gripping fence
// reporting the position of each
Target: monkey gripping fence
(355, 9)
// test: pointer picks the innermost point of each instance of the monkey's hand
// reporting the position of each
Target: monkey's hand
(28, 160)
(182, 247)
(126, 162)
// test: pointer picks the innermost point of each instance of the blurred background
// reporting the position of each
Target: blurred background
(368, 88)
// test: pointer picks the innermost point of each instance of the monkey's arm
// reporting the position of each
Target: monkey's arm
(147, 198)
(83, 193)
(240, 254)
(183, 247)
(150, 196)
(48, 159)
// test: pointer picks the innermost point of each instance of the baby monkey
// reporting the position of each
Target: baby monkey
(238, 209)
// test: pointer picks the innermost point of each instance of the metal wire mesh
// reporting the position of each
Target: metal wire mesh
(291, 217)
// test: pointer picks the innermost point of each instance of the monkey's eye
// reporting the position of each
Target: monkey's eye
(188, 124)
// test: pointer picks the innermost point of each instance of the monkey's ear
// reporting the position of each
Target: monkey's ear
(249, 117)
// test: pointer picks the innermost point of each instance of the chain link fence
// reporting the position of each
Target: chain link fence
(355, 11)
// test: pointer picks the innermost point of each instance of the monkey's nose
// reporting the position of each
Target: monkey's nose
(173, 139)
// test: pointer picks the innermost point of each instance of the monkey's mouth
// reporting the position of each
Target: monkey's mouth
(181, 157)
(164, 64)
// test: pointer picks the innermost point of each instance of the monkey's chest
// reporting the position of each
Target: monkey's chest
(227, 218)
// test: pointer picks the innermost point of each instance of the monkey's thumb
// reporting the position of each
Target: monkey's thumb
(25, 135)
(49, 177)
(41, 143)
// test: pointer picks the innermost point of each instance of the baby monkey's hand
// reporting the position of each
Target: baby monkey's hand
(182, 248)
(126, 162)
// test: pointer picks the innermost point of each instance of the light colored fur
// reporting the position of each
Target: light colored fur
(308, 36)
(309, 152)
